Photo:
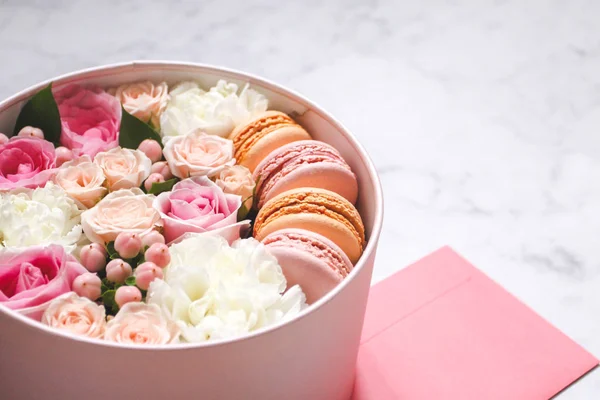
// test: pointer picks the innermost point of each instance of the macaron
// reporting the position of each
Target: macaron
(305, 163)
(309, 260)
(264, 133)
(316, 210)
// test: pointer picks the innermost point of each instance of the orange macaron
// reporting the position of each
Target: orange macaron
(317, 210)
(268, 131)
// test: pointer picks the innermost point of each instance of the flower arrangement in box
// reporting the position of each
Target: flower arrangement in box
(151, 213)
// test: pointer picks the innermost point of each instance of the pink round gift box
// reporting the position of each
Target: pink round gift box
(311, 357)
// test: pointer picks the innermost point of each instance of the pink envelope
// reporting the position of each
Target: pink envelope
(441, 329)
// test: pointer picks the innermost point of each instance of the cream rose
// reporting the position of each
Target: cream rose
(82, 180)
(123, 168)
(144, 100)
(237, 179)
(76, 314)
(140, 323)
(126, 210)
(198, 154)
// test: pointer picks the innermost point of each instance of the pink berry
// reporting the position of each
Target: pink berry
(145, 273)
(158, 253)
(128, 245)
(162, 168)
(153, 178)
(118, 270)
(151, 149)
(30, 131)
(127, 294)
(88, 285)
(63, 155)
(93, 257)
(151, 238)
(3, 138)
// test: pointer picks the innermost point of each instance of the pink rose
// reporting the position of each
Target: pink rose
(141, 323)
(123, 168)
(31, 278)
(126, 210)
(82, 180)
(26, 162)
(90, 119)
(198, 154)
(75, 314)
(144, 100)
(198, 205)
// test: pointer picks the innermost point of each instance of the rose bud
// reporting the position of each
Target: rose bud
(158, 253)
(127, 294)
(128, 245)
(93, 257)
(118, 270)
(151, 238)
(30, 131)
(88, 285)
(151, 149)
(63, 155)
(162, 168)
(3, 138)
(153, 178)
(145, 273)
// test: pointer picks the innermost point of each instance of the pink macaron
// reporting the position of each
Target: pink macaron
(305, 163)
(309, 260)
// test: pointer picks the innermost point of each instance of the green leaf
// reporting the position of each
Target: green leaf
(159, 187)
(138, 260)
(130, 281)
(243, 210)
(108, 299)
(112, 253)
(134, 131)
(106, 285)
(41, 111)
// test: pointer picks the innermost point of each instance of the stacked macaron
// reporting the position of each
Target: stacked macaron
(317, 210)
(306, 163)
(309, 260)
(305, 195)
(263, 134)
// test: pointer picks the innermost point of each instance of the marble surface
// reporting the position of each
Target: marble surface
(482, 116)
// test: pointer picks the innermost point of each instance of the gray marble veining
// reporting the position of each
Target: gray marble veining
(493, 109)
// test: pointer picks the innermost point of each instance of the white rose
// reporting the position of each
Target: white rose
(140, 323)
(75, 314)
(144, 100)
(82, 180)
(123, 168)
(215, 112)
(214, 291)
(39, 216)
(126, 210)
(198, 154)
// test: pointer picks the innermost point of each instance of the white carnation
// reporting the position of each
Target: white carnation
(39, 217)
(215, 112)
(214, 291)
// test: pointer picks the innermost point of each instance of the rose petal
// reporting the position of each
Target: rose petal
(29, 279)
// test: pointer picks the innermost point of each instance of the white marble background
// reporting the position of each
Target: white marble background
(482, 117)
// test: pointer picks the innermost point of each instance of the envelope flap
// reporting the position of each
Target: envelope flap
(417, 285)
(441, 328)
